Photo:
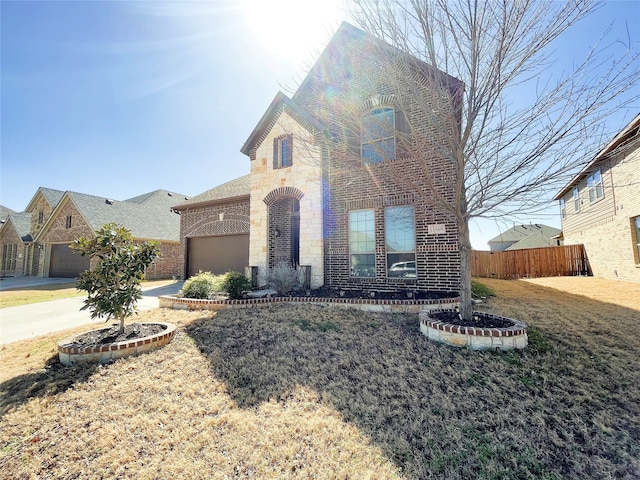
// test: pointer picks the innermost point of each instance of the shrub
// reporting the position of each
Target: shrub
(203, 285)
(283, 278)
(235, 284)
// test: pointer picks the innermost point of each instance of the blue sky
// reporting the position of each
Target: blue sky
(120, 98)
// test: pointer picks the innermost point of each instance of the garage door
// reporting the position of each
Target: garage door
(218, 254)
(65, 262)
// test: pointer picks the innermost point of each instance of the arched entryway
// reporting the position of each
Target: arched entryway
(284, 227)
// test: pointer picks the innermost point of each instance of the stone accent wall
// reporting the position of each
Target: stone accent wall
(605, 228)
(40, 204)
(269, 184)
(213, 219)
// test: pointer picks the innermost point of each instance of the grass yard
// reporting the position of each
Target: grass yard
(44, 293)
(305, 391)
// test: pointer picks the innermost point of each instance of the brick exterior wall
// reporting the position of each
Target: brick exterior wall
(605, 227)
(360, 82)
(214, 219)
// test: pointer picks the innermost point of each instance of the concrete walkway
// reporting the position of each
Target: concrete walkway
(28, 321)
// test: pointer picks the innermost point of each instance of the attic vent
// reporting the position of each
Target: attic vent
(170, 194)
(108, 201)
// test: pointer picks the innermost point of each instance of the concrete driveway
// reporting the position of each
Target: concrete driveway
(28, 321)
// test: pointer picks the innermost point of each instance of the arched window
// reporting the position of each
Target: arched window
(377, 135)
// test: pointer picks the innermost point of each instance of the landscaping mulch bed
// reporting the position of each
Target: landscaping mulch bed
(109, 335)
(479, 320)
(406, 294)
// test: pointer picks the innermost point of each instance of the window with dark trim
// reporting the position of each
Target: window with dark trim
(40, 217)
(283, 151)
(377, 135)
(362, 243)
(68, 222)
(400, 241)
(594, 184)
(576, 199)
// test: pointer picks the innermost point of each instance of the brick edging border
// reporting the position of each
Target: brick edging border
(518, 328)
(69, 354)
(196, 304)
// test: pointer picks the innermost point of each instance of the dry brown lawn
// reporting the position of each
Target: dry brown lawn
(317, 392)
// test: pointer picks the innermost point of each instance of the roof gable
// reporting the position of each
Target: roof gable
(50, 195)
(21, 222)
(631, 130)
(280, 103)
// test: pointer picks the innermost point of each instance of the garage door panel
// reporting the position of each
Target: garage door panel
(218, 254)
(66, 263)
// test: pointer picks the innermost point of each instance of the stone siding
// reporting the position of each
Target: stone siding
(302, 180)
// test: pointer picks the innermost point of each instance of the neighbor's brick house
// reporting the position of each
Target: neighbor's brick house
(600, 207)
(54, 219)
(328, 196)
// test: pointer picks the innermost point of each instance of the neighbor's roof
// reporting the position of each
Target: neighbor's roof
(22, 223)
(518, 233)
(624, 136)
(240, 187)
(5, 212)
(148, 216)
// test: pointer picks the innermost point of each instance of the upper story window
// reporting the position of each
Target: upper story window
(563, 209)
(377, 135)
(68, 222)
(40, 216)
(283, 151)
(362, 243)
(594, 184)
(576, 199)
(400, 241)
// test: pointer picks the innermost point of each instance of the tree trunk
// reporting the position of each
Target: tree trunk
(466, 304)
(121, 330)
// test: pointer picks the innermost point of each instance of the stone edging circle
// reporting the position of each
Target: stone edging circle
(475, 338)
(69, 355)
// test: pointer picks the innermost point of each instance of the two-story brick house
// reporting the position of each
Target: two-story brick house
(600, 207)
(324, 189)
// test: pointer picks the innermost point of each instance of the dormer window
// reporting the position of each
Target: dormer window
(283, 151)
(377, 135)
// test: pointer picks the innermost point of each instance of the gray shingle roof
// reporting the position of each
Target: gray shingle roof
(5, 212)
(520, 232)
(148, 218)
(239, 187)
(52, 196)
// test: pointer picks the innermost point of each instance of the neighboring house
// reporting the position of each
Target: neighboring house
(46, 229)
(22, 257)
(519, 237)
(600, 207)
(320, 197)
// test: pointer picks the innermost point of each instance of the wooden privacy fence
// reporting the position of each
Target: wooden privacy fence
(568, 260)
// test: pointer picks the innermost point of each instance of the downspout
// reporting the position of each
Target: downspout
(613, 190)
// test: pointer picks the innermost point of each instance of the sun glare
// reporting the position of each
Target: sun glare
(292, 29)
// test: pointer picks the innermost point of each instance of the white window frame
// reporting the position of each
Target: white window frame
(595, 186)
(576, 199)
(369, 269)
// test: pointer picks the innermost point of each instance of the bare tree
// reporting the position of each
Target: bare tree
(516, 133)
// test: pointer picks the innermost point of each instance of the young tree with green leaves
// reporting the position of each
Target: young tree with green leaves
(118, 268)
